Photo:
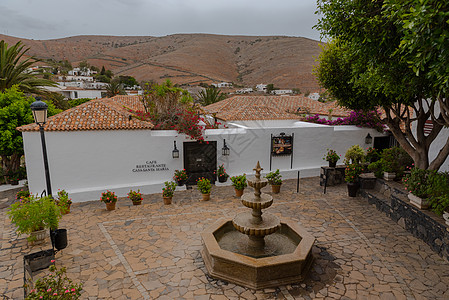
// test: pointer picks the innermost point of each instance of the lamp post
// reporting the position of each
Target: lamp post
(39, 109)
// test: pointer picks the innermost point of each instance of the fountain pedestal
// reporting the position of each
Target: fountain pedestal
(255, 249)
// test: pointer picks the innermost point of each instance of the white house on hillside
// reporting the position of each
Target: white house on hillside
(222, 84)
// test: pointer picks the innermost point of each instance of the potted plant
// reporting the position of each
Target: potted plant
(332, 157)
(135, 197)
(352, 173)
(437, 190)
(204, 186)
(274, 179)
(168, 191)
(180, 177)
(13, 177)
(372, 155)
(33, 216)
(55, 285)
(416, 185)
(64, 202)
(109, 198)
(221, 173)
(239, 183)
(354, 155)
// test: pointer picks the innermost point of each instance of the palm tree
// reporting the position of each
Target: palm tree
(210, 95)
(14, 70)
(114, 88)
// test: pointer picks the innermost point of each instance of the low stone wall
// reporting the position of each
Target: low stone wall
(423, 224)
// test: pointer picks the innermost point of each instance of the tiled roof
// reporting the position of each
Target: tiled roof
(100, 114)
(240, 108)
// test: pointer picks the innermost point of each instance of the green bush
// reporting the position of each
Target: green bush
(437, 189)
(274, 178)
(239, 182)
(417, 182)
(33, 214)
(393, 160)
(354, 155)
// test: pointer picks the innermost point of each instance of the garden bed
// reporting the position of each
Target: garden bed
(391, 198)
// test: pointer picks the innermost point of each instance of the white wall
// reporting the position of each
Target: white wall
(86, 163)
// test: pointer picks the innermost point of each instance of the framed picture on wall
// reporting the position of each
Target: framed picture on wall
(281, 145)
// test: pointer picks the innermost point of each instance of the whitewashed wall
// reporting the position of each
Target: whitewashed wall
(86, 163)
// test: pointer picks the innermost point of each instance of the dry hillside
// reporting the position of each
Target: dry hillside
(191, 58)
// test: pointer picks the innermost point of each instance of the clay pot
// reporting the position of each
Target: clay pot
(110, 206)
(206, 197)
(137, 202)
(167, 200)
(276, 189)
(239, 193)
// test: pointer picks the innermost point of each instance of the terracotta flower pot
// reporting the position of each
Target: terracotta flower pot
(110, 206)
(167, 200)
(239, 193)
(206, 197)
(276, 189)
(137, 202)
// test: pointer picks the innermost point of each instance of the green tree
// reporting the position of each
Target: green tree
(128, 81)
(369, 64)
(14, 112)
(210, 95)
(84, 66)
(270, 88)
(14, 70)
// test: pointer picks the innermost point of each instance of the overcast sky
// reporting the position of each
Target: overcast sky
(47, 19)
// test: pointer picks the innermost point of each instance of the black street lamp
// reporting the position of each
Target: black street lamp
(39, 109)
(368, 139)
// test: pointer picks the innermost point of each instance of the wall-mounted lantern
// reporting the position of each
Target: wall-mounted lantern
(368, 139)
(225, 150)
(175, 152)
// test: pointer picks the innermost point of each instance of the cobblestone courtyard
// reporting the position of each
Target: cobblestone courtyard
(152, 251)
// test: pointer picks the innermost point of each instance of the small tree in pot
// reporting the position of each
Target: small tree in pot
(332, 157)
(135, 197)
(274, 179)
(168, 191)
(352, 173)
(239, 183)
(204, 186)
(110, 199)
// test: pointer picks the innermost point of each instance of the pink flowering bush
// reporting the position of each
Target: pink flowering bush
(369, 119)
(108, 197)
(416, 182)
(352, 172)
(55, 285)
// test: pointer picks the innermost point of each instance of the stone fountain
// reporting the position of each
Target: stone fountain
(255, 249)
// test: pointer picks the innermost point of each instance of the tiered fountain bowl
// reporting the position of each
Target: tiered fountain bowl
(255, 249)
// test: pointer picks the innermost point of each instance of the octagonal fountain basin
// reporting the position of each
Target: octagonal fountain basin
(286, 257)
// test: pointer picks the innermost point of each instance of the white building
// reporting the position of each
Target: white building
(77, 93)
(282, 92)
(99, 145)
(244, 91)
(78, 72)
(314, 96)
(76, 78)
(222, 84)
(261, 87)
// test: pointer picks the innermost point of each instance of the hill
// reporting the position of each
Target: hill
(287, 62)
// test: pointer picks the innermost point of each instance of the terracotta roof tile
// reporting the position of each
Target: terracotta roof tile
(239, 108)
(99, 114)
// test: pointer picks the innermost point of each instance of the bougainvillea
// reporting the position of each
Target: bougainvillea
(370, 119)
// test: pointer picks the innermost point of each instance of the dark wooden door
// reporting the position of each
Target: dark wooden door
(200, 160)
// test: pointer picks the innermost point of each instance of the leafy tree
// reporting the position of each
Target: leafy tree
(14, 112)
(270, 88)
(128, 81)
(79, 101)
(210, 95)
(84, 66)
(14, 70)
(94, 68)
(102, 78)
(58, 100)
(373, 61)
(114, 88)
(103, 71)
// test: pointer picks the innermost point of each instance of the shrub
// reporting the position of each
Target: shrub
(239, 182)
(352, 172)
(372, 155)
(180, 175)
(55, 285)
(221, 172)
(23, 194)
(33, 214)
(108, 197)
(394, 160)
(204, 185)
(64, 201)
(416, 182)
(354, 155)
(135, 196)
(169, 189)
(331, 156)
(274, 178)
(438, 191)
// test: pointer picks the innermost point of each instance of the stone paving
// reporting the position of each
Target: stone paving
(152, 251)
